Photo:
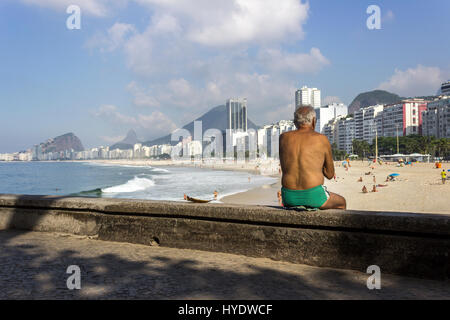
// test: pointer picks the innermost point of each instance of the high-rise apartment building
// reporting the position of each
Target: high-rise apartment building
(345, 134)
(404, 117)
(326, 113)
(436, 119)
(369, 122)
(445, 88)
(237, 114)
(307, 96)
(341, 131)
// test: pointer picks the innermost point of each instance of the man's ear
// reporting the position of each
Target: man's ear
(314, 123)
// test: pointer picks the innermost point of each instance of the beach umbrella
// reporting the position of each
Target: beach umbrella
(394, 175)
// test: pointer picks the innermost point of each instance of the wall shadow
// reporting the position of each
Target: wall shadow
(28, 271)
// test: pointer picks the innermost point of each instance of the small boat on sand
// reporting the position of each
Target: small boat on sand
(196, 200)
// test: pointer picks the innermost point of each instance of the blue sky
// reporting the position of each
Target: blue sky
(154, 65)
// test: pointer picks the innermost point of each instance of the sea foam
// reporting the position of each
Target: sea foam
(133, 185)
(160, 170)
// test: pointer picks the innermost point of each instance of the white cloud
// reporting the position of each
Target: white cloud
(294, 62)
(165, 23)
(111, 113)
(419, 81)
(253, 20)
(231, 22)
(98, 8)
(114, 38)
(139, 50)
(142, 98)
(183, 68)
(154, 124)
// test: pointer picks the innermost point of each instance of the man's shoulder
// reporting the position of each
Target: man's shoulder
(311, 134)
(287, 134)
(319, 136)
(322, 136)
(320, 139)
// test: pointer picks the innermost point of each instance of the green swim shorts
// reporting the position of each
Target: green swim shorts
(312, 198)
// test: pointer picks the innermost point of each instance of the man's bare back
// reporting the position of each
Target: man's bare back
(306, 159)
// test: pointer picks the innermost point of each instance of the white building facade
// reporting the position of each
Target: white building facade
(436, 119)
(307, 96)
(329, 112)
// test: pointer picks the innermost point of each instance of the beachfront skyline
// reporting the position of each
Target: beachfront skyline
(152, 65)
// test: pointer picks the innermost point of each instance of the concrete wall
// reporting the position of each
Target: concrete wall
(407, 244)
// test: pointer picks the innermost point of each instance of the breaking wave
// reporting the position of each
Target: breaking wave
(133, 185)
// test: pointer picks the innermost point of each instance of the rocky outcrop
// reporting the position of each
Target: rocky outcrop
(65, 142)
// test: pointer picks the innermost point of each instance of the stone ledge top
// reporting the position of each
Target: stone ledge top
(404, 223)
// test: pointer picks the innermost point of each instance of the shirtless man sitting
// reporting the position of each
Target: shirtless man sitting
(306, 158)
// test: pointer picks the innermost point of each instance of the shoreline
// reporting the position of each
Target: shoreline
(261, 168)
(265, 195)
(250, 196)
(253, 195)
(418, 188)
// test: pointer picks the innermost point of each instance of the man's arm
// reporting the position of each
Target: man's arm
(328, 166)
(281, 148)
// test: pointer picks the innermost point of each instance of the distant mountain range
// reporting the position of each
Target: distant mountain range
(372, 98)
(127, 143)
(62, 143)
(216, 118)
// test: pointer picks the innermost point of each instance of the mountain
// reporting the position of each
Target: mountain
(372, 98)
(127, 143)
(62, 143)
(216, 118)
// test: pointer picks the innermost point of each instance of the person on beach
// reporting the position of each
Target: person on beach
(390, 178)
(443, 176)
(306, 159)
(216, 194)
(280, 200)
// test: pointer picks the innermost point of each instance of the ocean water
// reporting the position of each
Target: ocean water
(122, 181)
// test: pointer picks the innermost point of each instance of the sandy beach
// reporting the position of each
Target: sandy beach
(418, 189)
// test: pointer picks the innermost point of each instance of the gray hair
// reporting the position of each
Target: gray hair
(304, 115)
